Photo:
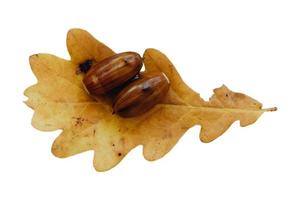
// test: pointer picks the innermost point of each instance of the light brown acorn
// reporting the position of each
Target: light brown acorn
(141, 95)
(112, 72)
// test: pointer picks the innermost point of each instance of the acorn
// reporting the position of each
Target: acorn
(142, 94)
(112, 72)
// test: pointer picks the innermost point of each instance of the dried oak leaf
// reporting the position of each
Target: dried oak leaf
(60, 102)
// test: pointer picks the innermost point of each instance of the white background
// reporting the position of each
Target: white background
(251, 46)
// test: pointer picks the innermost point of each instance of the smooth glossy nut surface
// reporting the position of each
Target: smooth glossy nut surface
(142, 94)
(112, 72)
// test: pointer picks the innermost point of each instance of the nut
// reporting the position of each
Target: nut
(141, 95)
(112, 72)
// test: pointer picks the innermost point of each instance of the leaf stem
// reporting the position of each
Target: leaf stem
(269, 109)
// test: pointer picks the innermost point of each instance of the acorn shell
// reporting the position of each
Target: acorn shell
(112, 72)
(141, 95)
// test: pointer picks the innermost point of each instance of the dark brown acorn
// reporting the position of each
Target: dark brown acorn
(142, 94)
(112, 72)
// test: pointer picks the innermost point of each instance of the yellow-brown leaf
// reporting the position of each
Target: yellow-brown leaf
(60, 102)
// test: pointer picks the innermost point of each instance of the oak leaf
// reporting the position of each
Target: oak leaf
(60, 102)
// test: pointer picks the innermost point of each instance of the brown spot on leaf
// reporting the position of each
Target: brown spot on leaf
(85, 66)
(78, 121)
